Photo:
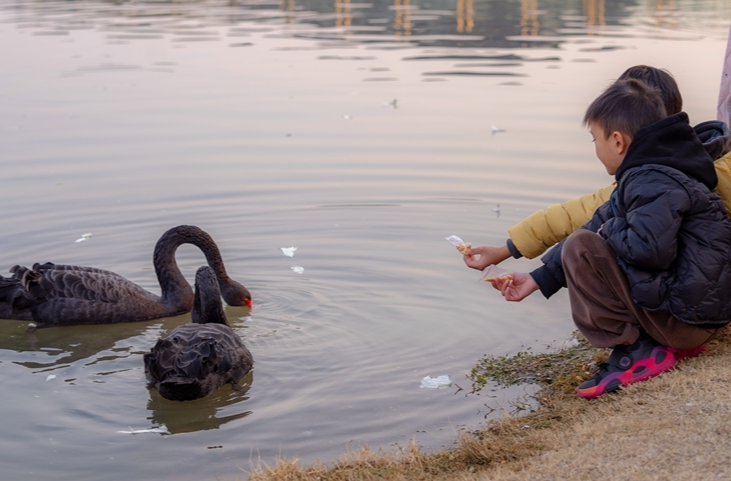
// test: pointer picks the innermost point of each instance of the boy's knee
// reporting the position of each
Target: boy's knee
(582, 239)
(583, 242)
(582, 236)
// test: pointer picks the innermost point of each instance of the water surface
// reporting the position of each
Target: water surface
(360, 133)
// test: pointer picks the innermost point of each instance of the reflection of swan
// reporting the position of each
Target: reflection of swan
(58, 295)
(210, 412)
(196, 359)
(48, 349)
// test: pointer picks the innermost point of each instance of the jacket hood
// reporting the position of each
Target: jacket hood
(671, 142)
(716, 137)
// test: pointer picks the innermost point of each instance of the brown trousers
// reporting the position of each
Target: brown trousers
(601, 303)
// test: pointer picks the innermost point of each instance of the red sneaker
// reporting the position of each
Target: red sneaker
(628, 364)
(686, 353)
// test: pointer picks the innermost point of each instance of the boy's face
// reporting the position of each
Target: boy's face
(610, 150)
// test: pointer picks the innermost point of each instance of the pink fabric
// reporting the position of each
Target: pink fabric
(724, 94)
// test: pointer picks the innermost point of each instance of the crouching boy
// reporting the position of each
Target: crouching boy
(650, 274)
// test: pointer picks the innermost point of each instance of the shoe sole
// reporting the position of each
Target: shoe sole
(685, 354)
(641, 370)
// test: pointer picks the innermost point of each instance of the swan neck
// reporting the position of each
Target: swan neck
(168, 273)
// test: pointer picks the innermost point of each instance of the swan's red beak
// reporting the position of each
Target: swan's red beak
(248, 303)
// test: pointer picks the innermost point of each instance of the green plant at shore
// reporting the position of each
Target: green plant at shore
(560, 369)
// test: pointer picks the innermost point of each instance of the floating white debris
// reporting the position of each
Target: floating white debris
(83, 237)
(439, 382)
(495, 130)
(288, 251)
(347, 117)
(50, 376)
(461, 245)
(393, 103)
(140, 431)
(497, 210)
(298, 269)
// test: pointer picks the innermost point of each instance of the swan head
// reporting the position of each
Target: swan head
(207, 307)
(235, 294)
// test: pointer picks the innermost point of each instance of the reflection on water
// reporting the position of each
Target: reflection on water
(202, 414)
(47, 349)
(444, 23)
(363, 133)
(51, 350)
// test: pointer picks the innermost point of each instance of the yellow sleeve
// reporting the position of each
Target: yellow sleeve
(542, 229)
(723, 169)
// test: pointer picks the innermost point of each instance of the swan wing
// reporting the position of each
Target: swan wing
(89, 283)
(54, 295)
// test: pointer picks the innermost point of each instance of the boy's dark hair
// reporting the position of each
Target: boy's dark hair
(662, 81)
(626, 106)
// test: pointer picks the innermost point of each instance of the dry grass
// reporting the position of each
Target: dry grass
(675, 426)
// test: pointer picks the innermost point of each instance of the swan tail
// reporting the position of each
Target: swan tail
(26, 288)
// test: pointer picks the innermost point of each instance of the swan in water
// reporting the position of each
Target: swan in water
(60, 295)
(197, 358)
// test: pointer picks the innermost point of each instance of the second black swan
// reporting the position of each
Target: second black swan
(197, 358)
(62, 295)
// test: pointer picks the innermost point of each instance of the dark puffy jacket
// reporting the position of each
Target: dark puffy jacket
(669, 228)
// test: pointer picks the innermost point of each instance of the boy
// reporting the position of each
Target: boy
(650, 274)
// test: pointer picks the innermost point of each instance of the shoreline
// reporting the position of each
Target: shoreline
(674, 426)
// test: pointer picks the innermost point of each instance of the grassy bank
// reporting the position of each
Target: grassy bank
(675, 426)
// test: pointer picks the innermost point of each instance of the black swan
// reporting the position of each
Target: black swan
(196, 359)
(60, 295)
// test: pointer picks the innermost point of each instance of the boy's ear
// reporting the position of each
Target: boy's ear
(620, 142)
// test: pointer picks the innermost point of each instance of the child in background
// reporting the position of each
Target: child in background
(650, 274)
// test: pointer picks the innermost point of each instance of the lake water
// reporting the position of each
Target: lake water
(360, 133)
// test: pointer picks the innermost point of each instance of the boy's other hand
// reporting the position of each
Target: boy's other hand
(518, 288)
(483, 256)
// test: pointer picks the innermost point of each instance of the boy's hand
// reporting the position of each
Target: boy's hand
(518, 288)
(481, 257)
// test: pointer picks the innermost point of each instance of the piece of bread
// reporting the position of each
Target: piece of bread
(504, 277)
(493, 272)
(463, 248)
